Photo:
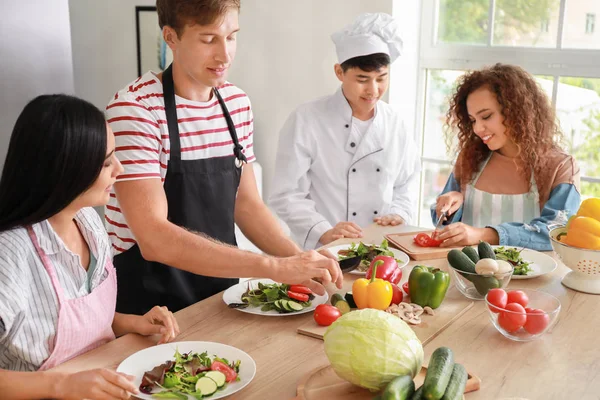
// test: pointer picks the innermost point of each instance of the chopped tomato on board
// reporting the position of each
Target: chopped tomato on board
(424, 240)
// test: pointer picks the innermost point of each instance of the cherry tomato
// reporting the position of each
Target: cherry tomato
(397, 295)
(537, 321)
(518, 296)
(405, 288)
(512, 321)
(325, 314)
(229, 373)
(498, 299)
(424, 240)
(297, 296)
(300, 289)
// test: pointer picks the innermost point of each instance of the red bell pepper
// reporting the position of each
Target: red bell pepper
(389, 271)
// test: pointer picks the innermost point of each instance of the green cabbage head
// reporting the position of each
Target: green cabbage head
(370, 347)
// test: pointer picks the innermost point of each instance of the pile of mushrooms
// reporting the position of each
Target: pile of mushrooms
(409, 312)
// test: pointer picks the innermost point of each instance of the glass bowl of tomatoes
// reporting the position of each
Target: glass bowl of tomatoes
(475, 286)
(522, 314)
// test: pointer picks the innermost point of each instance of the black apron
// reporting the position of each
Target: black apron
(201, 197)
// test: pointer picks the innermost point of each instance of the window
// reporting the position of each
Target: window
(544, 26)
(590, 21)
(460, 35)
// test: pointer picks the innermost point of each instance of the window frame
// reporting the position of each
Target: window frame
(555, 62)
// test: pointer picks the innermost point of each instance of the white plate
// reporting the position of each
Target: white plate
(145, 360)
(541, 263)
(401, 256)
(234, 295)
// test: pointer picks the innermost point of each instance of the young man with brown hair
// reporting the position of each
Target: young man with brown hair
(184, 138)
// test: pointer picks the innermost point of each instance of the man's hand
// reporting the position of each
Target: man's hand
(389, 219)
(309, 268)
(459, 234)
(341, 230)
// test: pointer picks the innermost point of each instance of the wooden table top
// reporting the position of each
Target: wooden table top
(563, 364)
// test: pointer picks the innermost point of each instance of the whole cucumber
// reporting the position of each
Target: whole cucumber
(418, 395)
(485, 250)
(438, 374)
(400, 388)
(457, 384)
(460, 261)
(471, 253)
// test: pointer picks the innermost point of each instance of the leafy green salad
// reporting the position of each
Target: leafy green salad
(367, 253)
(194, 374)
(513, 256)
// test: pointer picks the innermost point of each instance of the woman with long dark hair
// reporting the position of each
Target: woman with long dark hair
(57, 283)
(511, 178)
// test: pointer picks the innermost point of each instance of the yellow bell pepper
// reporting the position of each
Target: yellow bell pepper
(590, 208)
(583, 232)
(375, 293)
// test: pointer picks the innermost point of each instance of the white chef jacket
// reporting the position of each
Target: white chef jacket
(325, 175)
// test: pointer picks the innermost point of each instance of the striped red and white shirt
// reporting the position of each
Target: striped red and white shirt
(137, 117)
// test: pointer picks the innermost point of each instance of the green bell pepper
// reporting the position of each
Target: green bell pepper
(428, 286)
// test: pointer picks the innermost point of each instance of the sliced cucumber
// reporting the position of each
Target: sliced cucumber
(216, 376)
(295, 306)
(343, 306)
(285, 304)
(335, 298)
(206, 386)
(277, 305)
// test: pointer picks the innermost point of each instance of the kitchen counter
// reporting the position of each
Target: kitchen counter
(563, 364)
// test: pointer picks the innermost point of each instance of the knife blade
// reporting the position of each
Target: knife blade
(440, 221)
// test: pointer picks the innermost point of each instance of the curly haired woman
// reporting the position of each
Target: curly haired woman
(511, 178)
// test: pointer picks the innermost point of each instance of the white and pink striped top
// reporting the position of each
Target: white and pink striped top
(137, 117)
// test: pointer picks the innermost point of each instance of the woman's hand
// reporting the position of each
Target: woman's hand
(459, 234)
(158, 321)
(95, 384)
(449, 202)
(390, 219)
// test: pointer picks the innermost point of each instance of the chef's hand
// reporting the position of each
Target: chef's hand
(310, 269)
(341, 230)
(95, 384)
(449, 202)
(158, 321)
(390, 219)
(459, 234)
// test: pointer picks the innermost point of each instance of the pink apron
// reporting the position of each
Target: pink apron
(84, 323)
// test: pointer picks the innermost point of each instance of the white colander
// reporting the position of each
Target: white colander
(584, 264)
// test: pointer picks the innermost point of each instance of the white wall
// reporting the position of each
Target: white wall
(35, 57)
(104, 46)
(285, 57)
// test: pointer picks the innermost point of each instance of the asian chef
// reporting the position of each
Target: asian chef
(345, 160)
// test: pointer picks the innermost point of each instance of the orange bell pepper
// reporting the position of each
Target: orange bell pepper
(375, 293)
(583, 232)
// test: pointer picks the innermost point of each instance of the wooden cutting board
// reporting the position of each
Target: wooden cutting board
(453, 306)
(323, 383)
(404, 241)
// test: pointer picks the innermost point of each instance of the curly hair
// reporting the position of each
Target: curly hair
(528, 115)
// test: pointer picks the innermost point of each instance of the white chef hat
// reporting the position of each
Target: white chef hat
(368, 34)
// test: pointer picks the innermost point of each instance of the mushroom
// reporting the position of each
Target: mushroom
(486, 266)
(428, 310)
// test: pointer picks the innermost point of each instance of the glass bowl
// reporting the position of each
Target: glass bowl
(536, 323)
(475, 286)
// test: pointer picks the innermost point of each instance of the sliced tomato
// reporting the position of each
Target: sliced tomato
(229, 373)
(424, 240)
(297, 296)
(300, 289)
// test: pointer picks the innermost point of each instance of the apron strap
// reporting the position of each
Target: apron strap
(237, 147)
(171, 112)
(47, 265)
(481, 169)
